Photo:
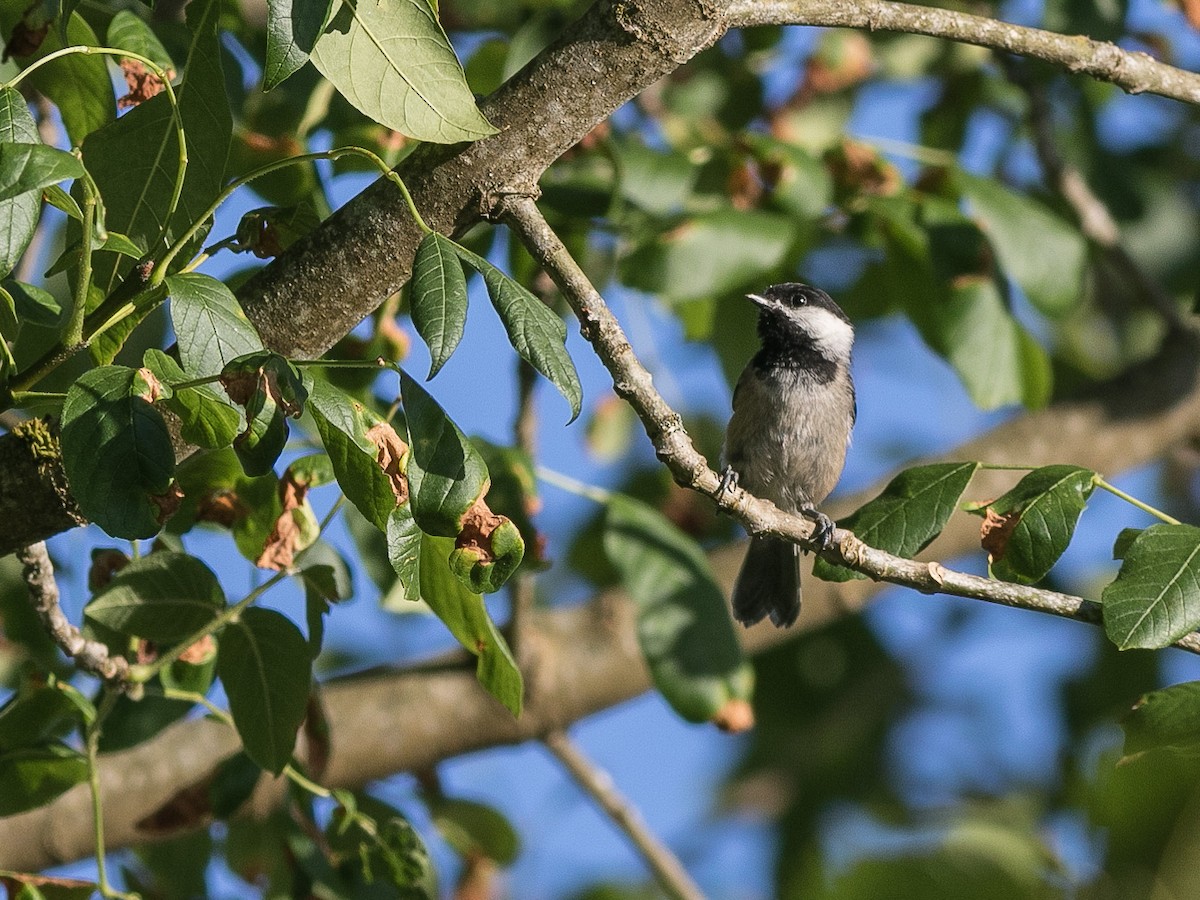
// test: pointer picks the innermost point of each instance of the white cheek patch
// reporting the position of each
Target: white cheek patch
(832, 335)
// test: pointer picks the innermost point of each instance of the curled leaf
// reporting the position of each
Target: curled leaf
(488, 549)
(295, 528)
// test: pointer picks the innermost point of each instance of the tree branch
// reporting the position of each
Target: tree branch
(1134, 72)
(674, 447)
(671, 875)
(91, 656)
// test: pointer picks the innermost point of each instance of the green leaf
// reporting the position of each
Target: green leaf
(78, 85)
(404, 540)
(393, 62)
(1043, 253)
(128, 31)
(1165, 720)
(1155, 598)
(712, 254)
(439, 298)
(33, 776)
(18, 215)
(293, 27)
(35, 717)
(474, 829)
(266, 669)
(117, 453)
(344, 425)
(1036, 520)
(34, 305)
(31, 167)
(465, 615)
(970, 325)
(446, 474)
(132, 722)
(164, 597)
(684, 627)
(232, 784)
(209, 324)
(903, 520)
(206, 419)
(536, 332)
(135, 160)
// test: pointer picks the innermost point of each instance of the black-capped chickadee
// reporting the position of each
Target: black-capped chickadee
(793, 410)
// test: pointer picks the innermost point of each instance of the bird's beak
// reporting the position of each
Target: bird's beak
(759, 300)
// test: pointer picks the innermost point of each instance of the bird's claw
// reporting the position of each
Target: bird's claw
(822, 535)
(729, 480)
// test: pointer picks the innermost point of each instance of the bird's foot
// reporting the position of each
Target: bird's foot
(822, 535)
(729, 480)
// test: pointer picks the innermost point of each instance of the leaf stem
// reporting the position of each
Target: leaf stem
(73, 336)
(1128, 498)
(574, 486)
(92, 745)
(160, 270)
(84, 50)
(142, 673)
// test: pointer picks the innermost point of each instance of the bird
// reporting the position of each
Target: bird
(794, 408)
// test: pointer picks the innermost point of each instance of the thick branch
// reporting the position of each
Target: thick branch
(671, 875)
(1134, 72)
(632, 381)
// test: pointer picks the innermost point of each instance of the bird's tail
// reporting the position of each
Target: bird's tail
(769, 583)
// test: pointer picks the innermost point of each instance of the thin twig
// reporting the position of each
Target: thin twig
(91, 656)
(1135, 72)
(1095, 220)
(674, 447)
(667, 868)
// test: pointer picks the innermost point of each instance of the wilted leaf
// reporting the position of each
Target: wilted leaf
(1029, 527)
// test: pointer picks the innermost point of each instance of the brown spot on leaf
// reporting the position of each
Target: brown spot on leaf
(1191, 9)
(152, 388)
(223, 508)
(859, 169)
(200, 652)
(279, 551)
(105, 564)
(744, 187)
(167, 502)
(995, 532)
(843, 60)
(390, 454)
(142, 83)
(734, 716)
(478, 523)
(240, 386)
(478, 879)
(26, 38)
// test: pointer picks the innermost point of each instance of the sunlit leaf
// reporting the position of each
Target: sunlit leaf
(393, 62)
(18, 215)
(209, 324)
(293, 27)
(912, 511)
(1167, 719)
(31, 167)
(1155, 598)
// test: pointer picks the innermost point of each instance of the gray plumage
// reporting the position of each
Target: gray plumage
(793, 410)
